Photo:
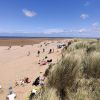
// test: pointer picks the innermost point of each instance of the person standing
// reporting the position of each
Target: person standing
(38, 53)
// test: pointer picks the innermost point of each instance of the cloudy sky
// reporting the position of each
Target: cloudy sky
(70, 18)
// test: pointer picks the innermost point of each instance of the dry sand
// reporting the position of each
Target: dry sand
(15, 64)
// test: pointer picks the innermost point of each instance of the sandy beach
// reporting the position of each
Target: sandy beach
(18, 62)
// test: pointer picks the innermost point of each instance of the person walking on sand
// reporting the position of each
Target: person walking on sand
(50, 51)
(38, 53)
(43, 50)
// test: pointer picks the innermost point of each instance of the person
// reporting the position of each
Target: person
(43, 50)
(21, 82)
(33, 92)
(38, 52)
(16, 83)
(50, 51)
(11, 96)
(28, 54)
(49, 60)
(27, 80)
(46, 57)
(41, 45)
(10, 90)
(0, 88)
(37, 81)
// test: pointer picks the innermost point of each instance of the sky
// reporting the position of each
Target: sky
(44, 18)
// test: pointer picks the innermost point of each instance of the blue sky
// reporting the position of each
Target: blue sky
(50, 18)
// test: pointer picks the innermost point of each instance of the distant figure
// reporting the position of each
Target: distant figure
(49, 60)
(27, 80)
(40, 45)
(21, 82)
(11, 96)
(43, 50)
(50, 51)
(59, 46)
(33, 92)
(0, 88)
(10, 90)
(16, 83)
(28, 53)
(38, 52)
(46, 57)
(9, 47)
(37, 81)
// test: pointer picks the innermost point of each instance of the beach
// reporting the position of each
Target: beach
(19, 59)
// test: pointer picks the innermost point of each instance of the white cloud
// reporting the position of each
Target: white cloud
(54, 30)
(87, 3)
(95, 24)
(84, 16)
(29, 13)
(82, 30)
(65, 31)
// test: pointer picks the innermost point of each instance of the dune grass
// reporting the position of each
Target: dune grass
(76, 76)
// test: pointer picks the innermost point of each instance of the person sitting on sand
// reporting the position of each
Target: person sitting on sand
(49, 60)
(21, 82)
(43, 62)
(37, 81)
(46, 57)
(16, 83)
(11, 96)
(33, 92)
(27, 80)
(0, 88)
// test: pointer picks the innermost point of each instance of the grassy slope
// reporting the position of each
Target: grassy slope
(76, 76)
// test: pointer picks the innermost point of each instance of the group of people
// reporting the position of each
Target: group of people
(22, 82)
(39, 81)
(44, 61)
(50, 51)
